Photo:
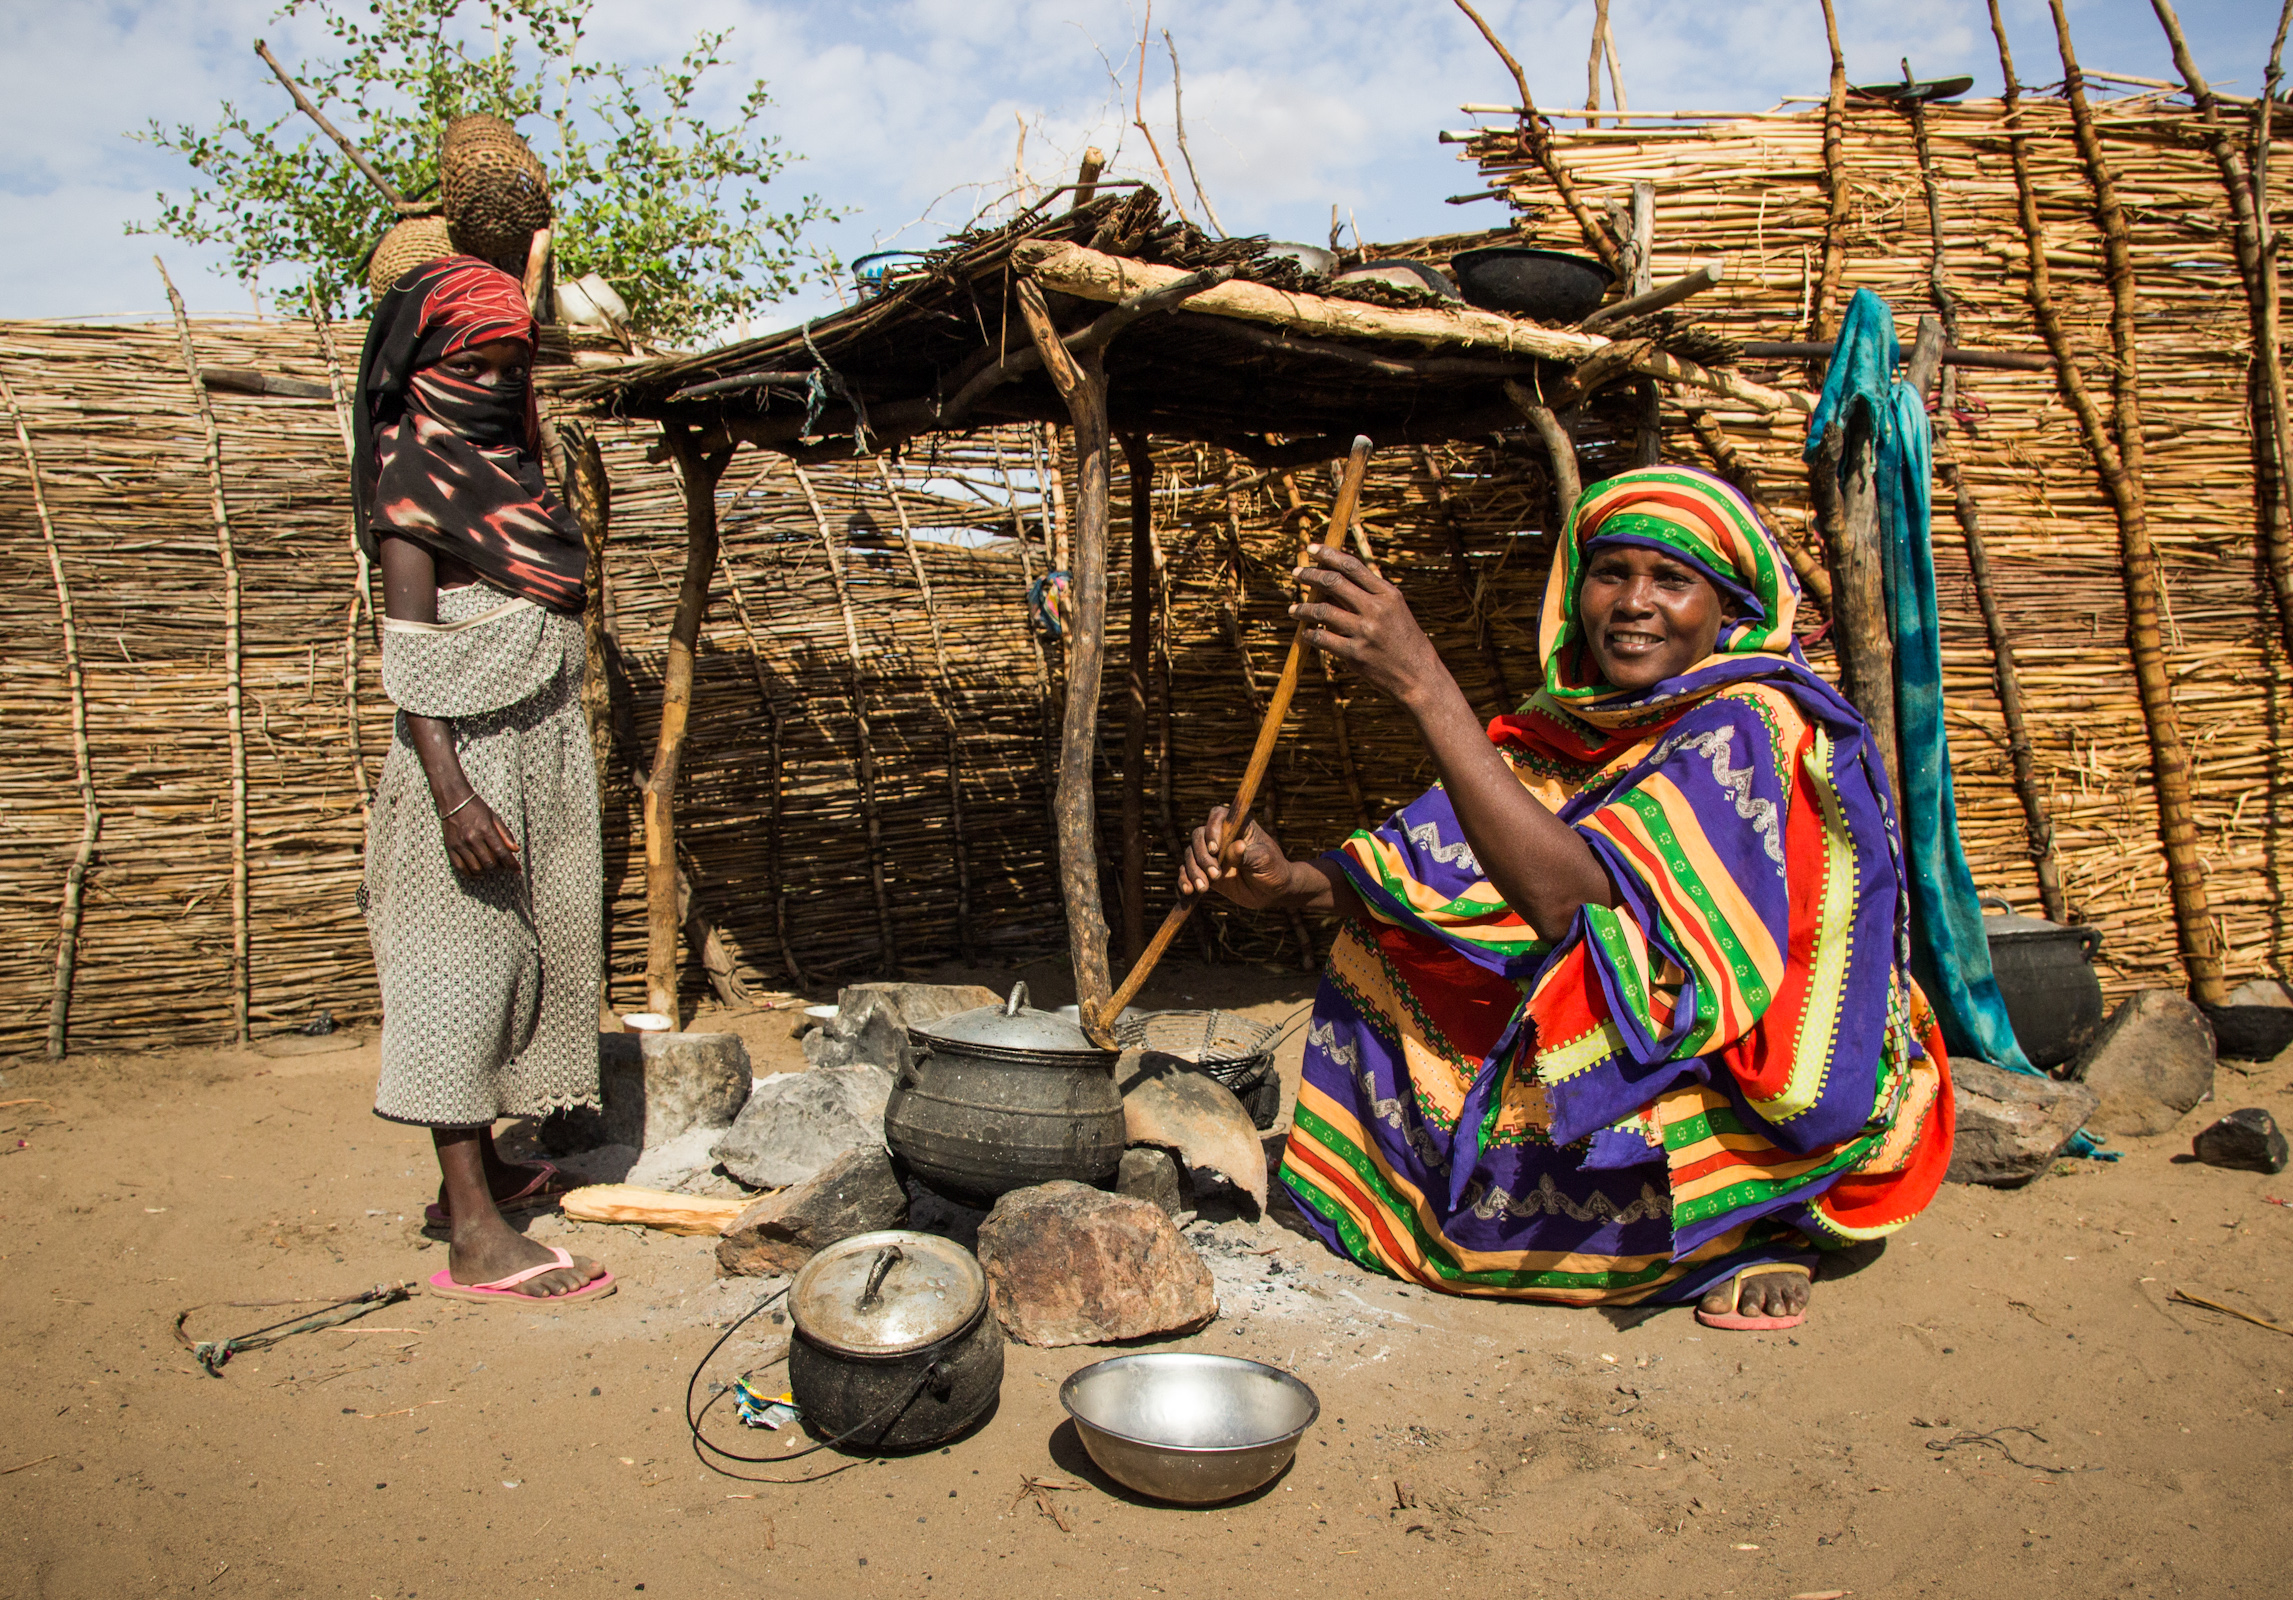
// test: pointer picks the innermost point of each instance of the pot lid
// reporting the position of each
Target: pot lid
(2008, 923)
(887, 1293)
(1014, 1026)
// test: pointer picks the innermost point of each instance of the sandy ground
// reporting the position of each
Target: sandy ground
(2004, 1401)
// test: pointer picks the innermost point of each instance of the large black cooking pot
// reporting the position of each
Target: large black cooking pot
(1002, 1097)
(893, 1349)
(1545, 284)
(2046, 976)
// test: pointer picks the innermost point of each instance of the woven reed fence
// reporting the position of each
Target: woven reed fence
(775, 822)
(1754, 190)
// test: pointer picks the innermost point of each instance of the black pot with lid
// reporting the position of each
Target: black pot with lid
(893, 1348)
(2046, 977)
(1004, 1096)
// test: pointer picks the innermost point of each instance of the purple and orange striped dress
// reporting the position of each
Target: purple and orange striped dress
(1729, 1066)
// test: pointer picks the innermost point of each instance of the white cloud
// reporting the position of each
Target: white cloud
(1291, 106)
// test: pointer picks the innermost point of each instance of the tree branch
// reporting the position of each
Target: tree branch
(399, 202)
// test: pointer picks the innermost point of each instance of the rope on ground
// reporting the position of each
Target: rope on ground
(212, 1354)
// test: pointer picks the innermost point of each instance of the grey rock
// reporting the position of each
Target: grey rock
(795, 1123)
(856, 1193)
(1070, 1264)
(916, 1005)
(2150, 1063)
(2249, 1140)
(658, 1085)
(1151, 1173)
(869, 1034)
(932, 1212)
(2011, 1126)
(683, 1165)
(1171, 1103)
(2260, 992)
(604, 1163)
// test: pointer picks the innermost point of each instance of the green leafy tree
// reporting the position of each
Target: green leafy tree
(665, 204)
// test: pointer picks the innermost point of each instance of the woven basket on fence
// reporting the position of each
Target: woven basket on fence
(495, 190)
(405, 247)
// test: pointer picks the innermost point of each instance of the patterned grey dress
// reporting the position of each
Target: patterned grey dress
(489, 982)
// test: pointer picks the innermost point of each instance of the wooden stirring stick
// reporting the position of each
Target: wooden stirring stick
(1261, 757)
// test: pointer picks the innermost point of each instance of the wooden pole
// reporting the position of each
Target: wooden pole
(1560, 449)
(1138, 455)
(887, 947)
(775, 886)
(1643, 303)
(2257, 265)
(83, 765)
(1082, 383)
(358, 158)
(2120, 472)
(362, 586)
(1814, 578)
(1261, 754)
(234, 693)
(2142, 570)
(1592, 62)
(1093, 275)
(1939, 290)
(697, 473)
(1849, 459)
(2037, 822)
(1537, 143)
(1838, 193)
(943, 697)
(1341, 729)
(590, 493)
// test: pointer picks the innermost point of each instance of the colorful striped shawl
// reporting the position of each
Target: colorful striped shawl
(1741, 1017)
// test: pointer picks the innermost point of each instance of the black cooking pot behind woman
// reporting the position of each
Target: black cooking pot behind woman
(2046, 976)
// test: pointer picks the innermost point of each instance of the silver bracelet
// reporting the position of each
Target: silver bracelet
(473, 796)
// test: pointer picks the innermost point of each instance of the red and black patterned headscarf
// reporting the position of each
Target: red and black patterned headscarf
(452, 464)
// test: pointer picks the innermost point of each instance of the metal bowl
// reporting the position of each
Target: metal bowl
(1312, 259)
(1191, 1429)
(1402, 273)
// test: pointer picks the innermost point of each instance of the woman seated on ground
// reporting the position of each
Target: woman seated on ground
(483, 870)
(1617, 1011)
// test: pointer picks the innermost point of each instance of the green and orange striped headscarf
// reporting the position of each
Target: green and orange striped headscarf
(1706, 523)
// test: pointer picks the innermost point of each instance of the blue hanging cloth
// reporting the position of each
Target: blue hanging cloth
(1950, 953)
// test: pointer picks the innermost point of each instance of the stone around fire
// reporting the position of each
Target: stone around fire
(1069, 1264)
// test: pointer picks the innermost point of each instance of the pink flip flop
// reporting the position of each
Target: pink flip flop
(1734, 1320)
(505, 1290)
(536, 1193)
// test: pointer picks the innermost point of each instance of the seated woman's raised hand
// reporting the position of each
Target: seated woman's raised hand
(1353, 612)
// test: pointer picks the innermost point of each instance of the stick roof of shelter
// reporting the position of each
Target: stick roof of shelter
(1259, 350)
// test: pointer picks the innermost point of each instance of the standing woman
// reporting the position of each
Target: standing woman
(483, 868)
(1618, 1009)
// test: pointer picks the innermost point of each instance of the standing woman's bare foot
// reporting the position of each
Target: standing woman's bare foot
(490, 1250)
(514, 1185)
(485, 1249)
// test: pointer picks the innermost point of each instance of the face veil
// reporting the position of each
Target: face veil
(450, 462)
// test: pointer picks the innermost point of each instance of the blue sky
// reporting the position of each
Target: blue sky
(909, 112)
